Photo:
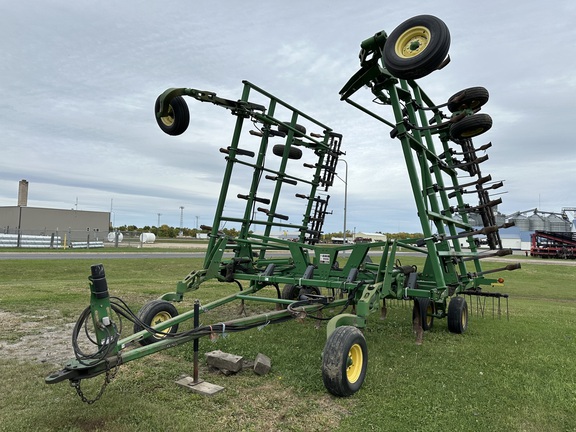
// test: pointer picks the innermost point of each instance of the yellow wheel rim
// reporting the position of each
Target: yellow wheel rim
(473, 132)
(159, 318)
(169, 119)
(355, 362)
(429, 313)
(464, 317)
(412, 42)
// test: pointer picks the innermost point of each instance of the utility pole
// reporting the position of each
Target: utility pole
(181, 220)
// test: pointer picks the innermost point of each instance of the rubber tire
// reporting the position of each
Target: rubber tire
(457, 315)
(424, 306)
(294, 153)
(471, 98)
(470, 126)
(335, 361)
(150, 311)
(301, 130)
(424, 62)
(178, 118)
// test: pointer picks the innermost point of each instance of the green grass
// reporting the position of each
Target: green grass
(514, 375)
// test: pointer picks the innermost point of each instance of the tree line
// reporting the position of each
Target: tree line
(165, 231)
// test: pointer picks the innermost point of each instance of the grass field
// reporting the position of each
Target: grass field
(501, 375)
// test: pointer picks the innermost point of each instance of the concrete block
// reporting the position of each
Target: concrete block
(224, 361)
(262, 364)
(201, 387)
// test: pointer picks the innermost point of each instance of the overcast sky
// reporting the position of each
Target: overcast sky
(79, 80)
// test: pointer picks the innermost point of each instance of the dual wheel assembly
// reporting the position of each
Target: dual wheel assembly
(425, 310)
(345, 355)
(418, 47)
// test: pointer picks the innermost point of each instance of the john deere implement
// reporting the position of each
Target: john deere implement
(279, 167)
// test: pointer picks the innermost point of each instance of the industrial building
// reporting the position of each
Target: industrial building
(528, 223)
(25, 226)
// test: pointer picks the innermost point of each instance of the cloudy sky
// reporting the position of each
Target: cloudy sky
(79, 80)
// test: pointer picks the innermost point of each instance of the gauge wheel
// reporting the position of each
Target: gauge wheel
(344, 361)
(178, 118)
(154, 313)
(471, 98)
(294, 152)
(426, 308)
(300, 130)
(457, 315)
(470, 126)
(416, 47)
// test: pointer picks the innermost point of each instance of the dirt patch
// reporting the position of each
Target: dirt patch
(42, 339)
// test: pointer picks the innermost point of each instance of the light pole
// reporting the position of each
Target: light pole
(181, 220)
(345, 198)
(159, 214)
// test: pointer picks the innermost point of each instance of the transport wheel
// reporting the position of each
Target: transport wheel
(457, 315)
(470, 126)
(178, 118)
(301, 129)
(344, 361)
(471, 98)
(426, 308)
(153, 313)
(416, 47)
(294, 153)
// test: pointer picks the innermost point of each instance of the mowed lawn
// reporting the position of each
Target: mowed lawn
(513, 372)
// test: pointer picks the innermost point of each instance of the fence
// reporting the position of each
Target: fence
(53, 240)
(73, 239)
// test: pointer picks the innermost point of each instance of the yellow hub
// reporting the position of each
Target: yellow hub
(464, 318)
(159, 318)
(355, 362)
(412, 42)
(429, 313)
(169, 119)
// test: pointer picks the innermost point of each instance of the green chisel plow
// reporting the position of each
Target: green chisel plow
(279, 167)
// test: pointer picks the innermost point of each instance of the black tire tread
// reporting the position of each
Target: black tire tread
(149, 311)
(334, 358)
(470, 98)
(470, 126)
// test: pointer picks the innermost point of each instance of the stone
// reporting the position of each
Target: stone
(224, 361)
(262, 364)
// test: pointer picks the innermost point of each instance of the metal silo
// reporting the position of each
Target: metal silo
(538, 223)
(558, 224)
(521, 222)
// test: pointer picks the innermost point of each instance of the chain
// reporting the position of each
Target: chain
(110, 375)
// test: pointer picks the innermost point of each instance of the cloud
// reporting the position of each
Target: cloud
(80, 81)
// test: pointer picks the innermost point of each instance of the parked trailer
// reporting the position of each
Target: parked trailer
(309, 277)
(550, 244)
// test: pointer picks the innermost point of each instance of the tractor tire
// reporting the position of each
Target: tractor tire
(178, 118)
(471, 98)
(344, 361)
(470, 126)
(457, 315)
(294, 152)
(301, 130)
(153, 313)
(426, 308)
(417, 47)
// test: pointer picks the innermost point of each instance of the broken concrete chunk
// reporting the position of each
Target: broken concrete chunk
(262, 364)
(224, 361)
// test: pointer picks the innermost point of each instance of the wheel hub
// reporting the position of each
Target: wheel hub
(412, 42)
